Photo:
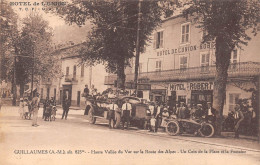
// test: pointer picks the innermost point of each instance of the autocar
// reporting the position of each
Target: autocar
(140, 111)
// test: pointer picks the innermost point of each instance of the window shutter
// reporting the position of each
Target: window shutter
(161, 39)
(154, 40)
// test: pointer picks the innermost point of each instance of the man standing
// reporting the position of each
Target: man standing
(66, 107)
(210, 113)
(86, 91)
(112, 109)
(239, 117)
(35, 108)
(126, 111)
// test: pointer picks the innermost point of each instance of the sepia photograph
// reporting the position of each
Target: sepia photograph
(129, 82)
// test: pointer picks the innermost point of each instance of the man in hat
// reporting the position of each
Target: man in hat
(239, 117)
(113, 107)
(35, 108)
(86, 91)
(65, 106)
(126, 112)
(210, 113)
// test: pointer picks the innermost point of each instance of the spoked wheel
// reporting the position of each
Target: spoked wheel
(92, 119)
(207, 130)
(173, 128)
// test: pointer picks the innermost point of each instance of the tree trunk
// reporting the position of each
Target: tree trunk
(121, 74)
(21, 89)
(223, 55)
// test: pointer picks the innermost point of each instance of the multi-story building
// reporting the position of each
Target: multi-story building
(73, 78)
(177, 66)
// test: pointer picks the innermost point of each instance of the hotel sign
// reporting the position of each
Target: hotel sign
(184, 49)
(189, 86)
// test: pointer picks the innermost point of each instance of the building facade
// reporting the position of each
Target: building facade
(73, 77)
(178, 67)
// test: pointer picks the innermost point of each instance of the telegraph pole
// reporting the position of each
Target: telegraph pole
(14, 83)
(32, 70)
(137, 47)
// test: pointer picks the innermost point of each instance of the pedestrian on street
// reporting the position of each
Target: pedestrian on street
(126, 112)
(66, 107)
(21, 108)
(45, 105)
(35, 108)
(113, 107)
(158, 116)
(239, 117)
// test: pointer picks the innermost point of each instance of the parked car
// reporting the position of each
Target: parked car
(140, 111)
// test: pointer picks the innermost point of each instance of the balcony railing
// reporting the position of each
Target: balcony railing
(71, 78)
(243, 69)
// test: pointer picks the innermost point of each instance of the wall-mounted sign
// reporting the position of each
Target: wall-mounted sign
(188, 48)
(188, 86)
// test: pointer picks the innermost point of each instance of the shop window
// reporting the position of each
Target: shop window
(158, 40)
(233, 99)
(158, 66)
(185, 33)
(183, 62)
(182, 99)
(67, 71)
(234, 59)
(204, 62)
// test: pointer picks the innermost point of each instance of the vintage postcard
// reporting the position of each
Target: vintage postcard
(129, 82)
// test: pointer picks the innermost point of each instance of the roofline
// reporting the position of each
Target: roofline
(68, 57)
(173, 17)
(68, 47)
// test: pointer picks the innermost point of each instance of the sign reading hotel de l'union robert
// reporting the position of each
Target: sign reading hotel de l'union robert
(186, 48)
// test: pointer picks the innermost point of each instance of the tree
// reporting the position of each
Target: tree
(112, 39)
(8, 34)
(227, 24)
(34, 47)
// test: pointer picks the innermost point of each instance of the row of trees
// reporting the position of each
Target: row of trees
(26, 48)
(112, 40)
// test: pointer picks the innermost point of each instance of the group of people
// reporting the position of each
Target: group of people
(244, 118)
(160, 112)
(30, 106)
(49, 109)
(126, 111)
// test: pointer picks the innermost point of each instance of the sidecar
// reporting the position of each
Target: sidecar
(190, 126)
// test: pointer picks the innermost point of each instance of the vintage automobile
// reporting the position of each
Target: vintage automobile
(98, 109)
(140, 111)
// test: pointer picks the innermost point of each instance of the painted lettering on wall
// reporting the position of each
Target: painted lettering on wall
(184, 49)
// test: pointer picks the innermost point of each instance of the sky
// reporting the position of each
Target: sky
(63, 32)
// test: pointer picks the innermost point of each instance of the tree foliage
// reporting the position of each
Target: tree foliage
(112, 39)
(8, 33)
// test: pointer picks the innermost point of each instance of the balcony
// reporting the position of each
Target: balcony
(71, 78)
(243, 69)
